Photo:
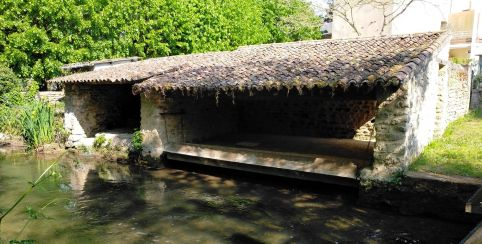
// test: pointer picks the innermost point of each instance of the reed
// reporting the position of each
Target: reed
(38, 124)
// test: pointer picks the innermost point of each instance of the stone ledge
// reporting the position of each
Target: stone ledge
(419, 193)
(445, 178)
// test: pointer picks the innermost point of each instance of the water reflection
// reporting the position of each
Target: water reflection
(118, 204)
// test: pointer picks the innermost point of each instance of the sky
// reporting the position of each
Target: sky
(318, 5)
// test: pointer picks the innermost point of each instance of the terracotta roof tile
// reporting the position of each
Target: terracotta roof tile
(351, 62)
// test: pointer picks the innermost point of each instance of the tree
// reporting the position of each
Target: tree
(389, 10)
(38, 37)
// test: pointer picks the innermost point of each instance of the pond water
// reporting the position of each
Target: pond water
(99, 202)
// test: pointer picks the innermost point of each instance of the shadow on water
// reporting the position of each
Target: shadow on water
(188, 203)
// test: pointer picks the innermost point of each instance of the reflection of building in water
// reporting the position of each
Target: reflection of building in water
(113, 172)
(78, 175)
(154, 193)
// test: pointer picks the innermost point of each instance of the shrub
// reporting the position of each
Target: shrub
(13, 103)
(8, 80)
(99, 141)
(21, 113)
(136, 142)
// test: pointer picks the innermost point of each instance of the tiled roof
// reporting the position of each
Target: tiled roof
(91, 64)
(133, 72)
(386, 61)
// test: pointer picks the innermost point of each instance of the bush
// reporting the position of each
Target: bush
(136, 142)
(13, 102)
(8, 80)
(99, 141)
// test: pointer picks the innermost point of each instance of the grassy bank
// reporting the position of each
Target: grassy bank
(458, 151)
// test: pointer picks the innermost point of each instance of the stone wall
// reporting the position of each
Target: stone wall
(458, 94)
(305, 115)
(366, 132)
(414, 115)
(183, 119)
(90, 109)
(453, 96)
(405, 122)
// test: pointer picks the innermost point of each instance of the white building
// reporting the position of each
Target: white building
(461, 17)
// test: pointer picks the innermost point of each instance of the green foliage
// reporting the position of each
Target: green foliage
(21, 242)
(37, 37)
(136, 141)
(290, 20)
(8, 80)
(99, 141)
(477, 80)
(458, 151)
(33, 213)
(37, 123)
(21, 113)
(461, 61)
(12, 100)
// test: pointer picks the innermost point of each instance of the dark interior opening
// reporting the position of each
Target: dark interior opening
(104, 108)
(311, 123)
(126, 109)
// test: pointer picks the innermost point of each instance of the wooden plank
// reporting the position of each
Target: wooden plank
(328, 169)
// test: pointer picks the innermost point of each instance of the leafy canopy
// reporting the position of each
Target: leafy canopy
(37, 37)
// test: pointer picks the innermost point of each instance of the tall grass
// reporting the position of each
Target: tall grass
(38, 124)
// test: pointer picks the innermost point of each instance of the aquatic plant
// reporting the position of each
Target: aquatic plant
(37, 123)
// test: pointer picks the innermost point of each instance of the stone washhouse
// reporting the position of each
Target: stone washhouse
(325, 110)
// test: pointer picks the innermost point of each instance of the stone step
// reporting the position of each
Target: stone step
(323, 168)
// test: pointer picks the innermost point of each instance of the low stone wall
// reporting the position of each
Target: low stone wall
(51, 96)
(458, 93)
(424, 194)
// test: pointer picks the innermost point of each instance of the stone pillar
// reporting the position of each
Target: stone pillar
(405, 123)
(71, 123)
(391, 124)
(152, 129)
